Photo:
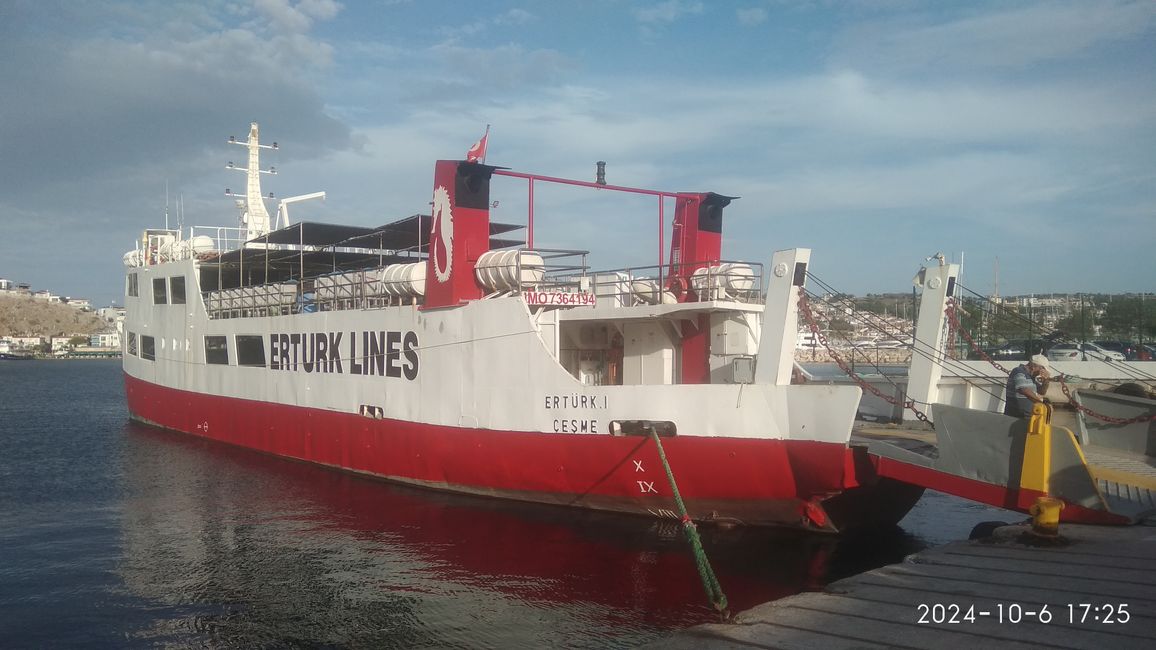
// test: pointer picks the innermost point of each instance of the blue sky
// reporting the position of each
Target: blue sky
(876, 133)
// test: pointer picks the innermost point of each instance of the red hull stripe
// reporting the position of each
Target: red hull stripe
(996, 495)
(756, 481)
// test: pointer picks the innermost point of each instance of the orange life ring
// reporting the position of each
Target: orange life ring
(677, 286)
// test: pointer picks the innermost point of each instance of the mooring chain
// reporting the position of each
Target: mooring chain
(954, 317)
(805, 309)
(1100, 416)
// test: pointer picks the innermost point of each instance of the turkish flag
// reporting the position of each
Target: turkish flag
(478, 151)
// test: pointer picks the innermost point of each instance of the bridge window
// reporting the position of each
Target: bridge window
(250, 350)
(177, 289)
(148, 348)
(160, 292)
(130, 287)
(217, 350)
(132, 343)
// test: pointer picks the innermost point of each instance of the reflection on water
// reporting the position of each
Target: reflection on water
(255, 550)
(117, 535)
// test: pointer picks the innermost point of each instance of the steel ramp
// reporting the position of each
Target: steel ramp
(999, 460)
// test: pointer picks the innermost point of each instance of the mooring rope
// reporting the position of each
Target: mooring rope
(709, 582)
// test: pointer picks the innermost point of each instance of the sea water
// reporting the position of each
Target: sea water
(118, 535)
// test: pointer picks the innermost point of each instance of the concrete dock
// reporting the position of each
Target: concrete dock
(1096, 590)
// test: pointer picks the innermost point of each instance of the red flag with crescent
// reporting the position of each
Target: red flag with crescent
(478, 151)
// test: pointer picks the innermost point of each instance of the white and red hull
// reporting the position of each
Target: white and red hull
(489, 411)
(759, 482)
(461, 383)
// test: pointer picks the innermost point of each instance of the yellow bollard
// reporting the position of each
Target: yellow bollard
(1037, 464)
(1046, 516)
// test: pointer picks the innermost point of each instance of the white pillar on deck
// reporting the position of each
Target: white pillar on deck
(928, 350)
(780, 330)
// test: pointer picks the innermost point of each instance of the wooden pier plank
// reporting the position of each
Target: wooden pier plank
(903, 620)
(1057, 592)
(1032, 559)
(1101, 566)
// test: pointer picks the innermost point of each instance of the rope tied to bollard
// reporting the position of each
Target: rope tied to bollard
(709, 582)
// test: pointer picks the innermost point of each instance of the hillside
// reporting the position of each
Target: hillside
(26, 317)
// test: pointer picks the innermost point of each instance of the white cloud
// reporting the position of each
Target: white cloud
(514, 17)
(752, 16)
(667, 12)
(297, 18)
(319, 9)
(851, 158)
(1012, 38)
(284, 14)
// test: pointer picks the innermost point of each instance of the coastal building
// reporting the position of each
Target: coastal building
(78, 303)
(60, 343)
(25, 342)
(105, 340)
(6, 285)
(46, 296)
(111, 314)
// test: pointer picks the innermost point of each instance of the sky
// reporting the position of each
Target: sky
(1011, 135)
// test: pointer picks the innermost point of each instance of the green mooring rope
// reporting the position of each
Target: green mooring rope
(709, 581)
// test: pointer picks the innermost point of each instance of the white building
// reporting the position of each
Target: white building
(78, 303)
(111, 314)
(105, 340)
(46, 296)
(25, 342)
(60, 343)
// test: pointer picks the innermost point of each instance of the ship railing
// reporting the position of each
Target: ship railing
(724, 280)
(361, 289)
(562, 270)
(272, 299)
(344, 290)
(225, 238)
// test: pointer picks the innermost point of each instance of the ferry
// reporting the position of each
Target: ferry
(443, 350)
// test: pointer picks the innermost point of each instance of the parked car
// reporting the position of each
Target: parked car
(1125, 348)
(1015, 350)
(1081, 352)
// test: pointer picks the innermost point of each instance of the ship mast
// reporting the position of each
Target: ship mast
(254, 215)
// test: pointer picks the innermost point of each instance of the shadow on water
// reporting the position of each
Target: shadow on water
(256, 550)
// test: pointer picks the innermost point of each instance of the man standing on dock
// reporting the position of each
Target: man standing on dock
(1026, 386)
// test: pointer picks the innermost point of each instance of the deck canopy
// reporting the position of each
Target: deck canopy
(412, 233)
(309, 249)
